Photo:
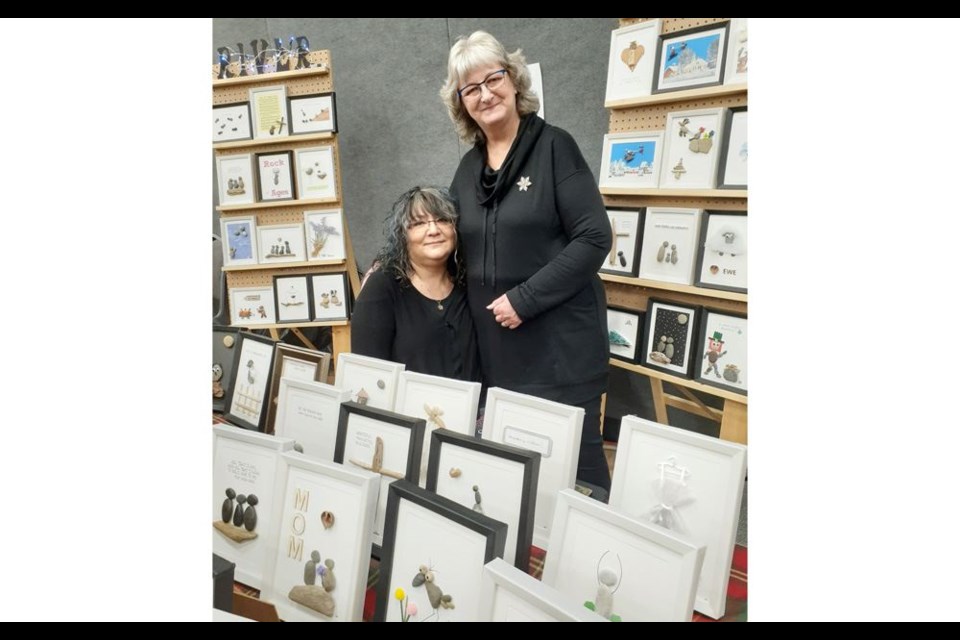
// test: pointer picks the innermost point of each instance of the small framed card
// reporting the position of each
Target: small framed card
(668, 337)
(316, 174)
(252, 306)
(269, 106)
(231, 122)
(722, 260)
(235, 179)
(626, 227)
(293, 298)
(250, 381)
(275, 176)
(325, 237)
(279, 243)
(331, 296)
(631, 160)
(669, 252)
(239, 240)
(625, 328)
(313, 114)
(295, 363)
(691, 59)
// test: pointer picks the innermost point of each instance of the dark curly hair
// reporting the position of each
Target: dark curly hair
(435, 201)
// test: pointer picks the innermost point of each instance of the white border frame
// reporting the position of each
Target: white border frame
(251, 222)
(700, 454)
(249, 195)
(263, 134)
(336, 241)
(249, 556)
(623, 84)
(646, 181)
(358, 547)
(677, 147)
(731, 76)
(503, 582)
(313, 444)
(325, 153)
(269, 307)
(296, 242)
(565, 571)
(348, 364)
(669, 218)
(558, 465)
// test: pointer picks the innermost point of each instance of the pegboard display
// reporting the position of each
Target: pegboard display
(636, 298)
(721, 204)
(669, 25)
(302, 82)
(264, 277)
(653, 117)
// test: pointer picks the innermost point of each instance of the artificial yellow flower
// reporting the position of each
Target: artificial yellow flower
(399, 594)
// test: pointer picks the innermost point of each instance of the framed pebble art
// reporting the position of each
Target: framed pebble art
(370, 381)
(508, 594)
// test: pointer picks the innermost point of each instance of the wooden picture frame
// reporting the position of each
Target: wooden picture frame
(295, 363)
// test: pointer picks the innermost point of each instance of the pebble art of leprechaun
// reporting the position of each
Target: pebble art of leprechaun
(714, 353)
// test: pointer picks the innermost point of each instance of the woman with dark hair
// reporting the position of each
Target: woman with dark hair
(413, 307)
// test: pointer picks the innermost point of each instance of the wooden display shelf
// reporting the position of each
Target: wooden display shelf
(679, 288)
(676, 96)
(278, 76)
(680, 382)
(232, 208)
(284, 265)
(263, 142)
(293, 325)
(675, 193)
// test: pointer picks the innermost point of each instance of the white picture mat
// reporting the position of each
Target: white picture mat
(731, 267)
(691, 336)
(629, 325)
(556, 429)
(268, 107)
(678, 41)
(715, 484)
(247, 399)
(290, 290)
(324, 234)
(238, 238)
(362, 433)
(252, 299)
(281, 236)
(701, 168)
(355, 372)
(458, 400)
(331, 290)
(658, 580)
(499, 480)
(309, 413)
(319, 162)
(236, 167)
(734, 331)
(736, 49)
(226, 118)
(622, 82)
(455, 553)
(296, 369)
(536, 84)
(735, 169)
(275, 173)
(633, 159)
(680, 227)
(350, 496)
(246, 462)
(507, 594)
(625, 225)
(303, 110)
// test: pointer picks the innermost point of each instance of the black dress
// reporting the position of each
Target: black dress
(393, 321)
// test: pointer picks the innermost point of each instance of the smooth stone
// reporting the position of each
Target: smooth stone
(231, 493)
(238, 512)
(313, 597)
(329, 580)
(253, 500)
(227, 510)
(250, 518)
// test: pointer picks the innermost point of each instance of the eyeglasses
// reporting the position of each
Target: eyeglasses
(493, 81)
(424, 224)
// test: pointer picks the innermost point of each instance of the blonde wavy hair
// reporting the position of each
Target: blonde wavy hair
(471, 52)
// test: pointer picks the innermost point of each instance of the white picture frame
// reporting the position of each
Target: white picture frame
(326, 510)
(238, 237)
(508, 594)
(595, 549)
(737, 58)
(632, 160)
(309, 413)
(691, 150)
(316, 173)
(268, 106)
(723, 248)
(633, 53)
(443, 402)
(550, 428)
(250, 379)
(281, 243)
(324, 235)
(377, 379)
(235, 181)
(252, 306)
(494, 479)
(669, 245)
(383, 442)
(709, 474)
(245, 462)
(434, 550)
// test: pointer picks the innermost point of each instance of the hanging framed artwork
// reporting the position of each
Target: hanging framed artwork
(732, 172)
(494, 479)
(624, 569)
(434, 551)
(293, 298)
(633, 51)
(275, 176)
(316, 174)
(231, 122)
(688, 483)
(443, 402)
(693, 140)
(508, 594)
(280, 243)
(668, 337)
(691, 59)
(250, 380)
(626, 227)
(722, 259)
(269, 106)
(383, 442)
(314, 113)
(325, 237)
(551, 429)
(243, 505)
(239, 240)
(331, 296)
(722, 345)
(252, 307)
(294, 363)
(235, 179)
(669, 252)
(224, 352)
(370, 381)
(736, 72)
(309, 413)
(625, 329)
(631, 160)
(321, 552)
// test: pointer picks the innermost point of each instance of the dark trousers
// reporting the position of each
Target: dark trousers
(592, 466)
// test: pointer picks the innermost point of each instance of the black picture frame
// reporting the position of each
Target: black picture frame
(281, 282)
(725, 148)
(663, 318)
(232, 412)
(628, 268)
(297, 119)
(727, 380)
(223, 122)
(444, 438)
(223, 356)
(637, 336)
(708, 244)
(494, 531)
(721, 62)
(258, 166)
(322, 295)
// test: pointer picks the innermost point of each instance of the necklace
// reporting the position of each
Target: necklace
(424, 290)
